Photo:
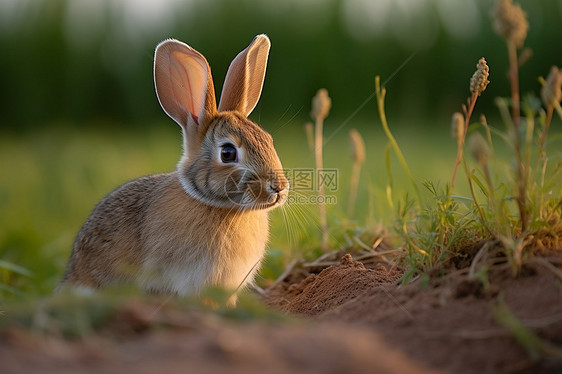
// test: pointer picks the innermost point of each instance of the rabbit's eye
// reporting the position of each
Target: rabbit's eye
(228, 153)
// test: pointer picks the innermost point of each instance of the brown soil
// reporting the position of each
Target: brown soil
(355, 318)
(449, 324)
(177, 341)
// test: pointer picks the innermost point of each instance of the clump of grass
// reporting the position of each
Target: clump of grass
(438, 231)
(522, 211)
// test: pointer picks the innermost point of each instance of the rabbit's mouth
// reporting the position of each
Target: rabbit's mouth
(274, 196)
(249, 190)
(265, 201)
(276, 199)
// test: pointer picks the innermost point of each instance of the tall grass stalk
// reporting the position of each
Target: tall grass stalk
(460, 148)
(357, 146)
(478, 84)
(381, 93)
(321, 104)
(510, 22)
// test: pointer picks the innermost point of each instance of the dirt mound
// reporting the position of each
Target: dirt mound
(334, 286)
(452, 323)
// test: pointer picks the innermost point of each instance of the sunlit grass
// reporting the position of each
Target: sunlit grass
(53, 178)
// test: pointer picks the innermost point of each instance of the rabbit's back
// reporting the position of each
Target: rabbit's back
(107, 247)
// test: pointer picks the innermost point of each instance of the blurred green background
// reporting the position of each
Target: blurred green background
(79, 113)
(78, 61)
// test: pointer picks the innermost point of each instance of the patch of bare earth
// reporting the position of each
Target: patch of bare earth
(448, 324)
(189, 342)
(354, 318)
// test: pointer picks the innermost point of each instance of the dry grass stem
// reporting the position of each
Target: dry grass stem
(478, 83)
(321, 104)
(379, 254)
(285, 274)
(457, 127)
(358, 156)
(483, 251)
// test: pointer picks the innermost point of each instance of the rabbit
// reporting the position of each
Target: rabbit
(207, 222)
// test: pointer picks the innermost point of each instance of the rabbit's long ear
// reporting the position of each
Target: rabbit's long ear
(244, 80)
(183, 82)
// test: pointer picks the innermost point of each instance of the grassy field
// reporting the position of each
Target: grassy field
(508, 191)
(453, 236)
(53, 178)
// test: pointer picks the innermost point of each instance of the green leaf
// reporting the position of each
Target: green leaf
(480, 184)
(15, 268)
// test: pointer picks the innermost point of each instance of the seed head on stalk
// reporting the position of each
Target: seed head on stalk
(510, 22)
(321, 104)
(479, 80)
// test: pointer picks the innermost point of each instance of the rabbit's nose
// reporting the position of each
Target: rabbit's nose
(278, 185)
(278, 182)
(275, 188)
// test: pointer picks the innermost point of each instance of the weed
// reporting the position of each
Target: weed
(444, 227)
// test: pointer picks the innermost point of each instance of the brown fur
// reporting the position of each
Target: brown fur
(206, 223)
(152, 220)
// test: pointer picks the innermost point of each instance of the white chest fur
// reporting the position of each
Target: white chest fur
(185, 250)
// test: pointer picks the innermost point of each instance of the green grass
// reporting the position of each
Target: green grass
(53, 178)
(51, 181)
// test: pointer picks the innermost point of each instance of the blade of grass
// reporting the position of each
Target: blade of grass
(381, 93)
(15, 268)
